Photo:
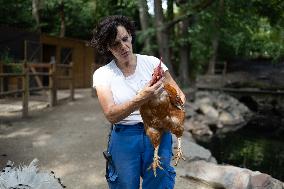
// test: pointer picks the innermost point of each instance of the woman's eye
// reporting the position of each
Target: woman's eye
(125, 39)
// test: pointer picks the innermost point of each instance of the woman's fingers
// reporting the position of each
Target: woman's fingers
(159, 90)
(155, 89)
(158, 87)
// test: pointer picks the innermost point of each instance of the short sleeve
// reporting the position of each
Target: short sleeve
(101, 77)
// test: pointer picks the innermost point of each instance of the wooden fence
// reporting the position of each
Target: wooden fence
(30, 69)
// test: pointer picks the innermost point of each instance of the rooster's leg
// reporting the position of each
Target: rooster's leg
(156, 161)
(179, 153)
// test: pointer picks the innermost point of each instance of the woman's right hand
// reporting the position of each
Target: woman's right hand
(149, 91)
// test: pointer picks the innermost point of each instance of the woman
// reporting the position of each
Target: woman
(122, 87)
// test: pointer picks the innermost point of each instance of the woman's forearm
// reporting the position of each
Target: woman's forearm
(116, 113)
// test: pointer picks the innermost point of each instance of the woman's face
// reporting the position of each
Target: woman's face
(122, 46)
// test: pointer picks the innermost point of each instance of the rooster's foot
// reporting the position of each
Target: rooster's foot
(156, 164)
(178, 156)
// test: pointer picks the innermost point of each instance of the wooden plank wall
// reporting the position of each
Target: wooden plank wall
(82, 58)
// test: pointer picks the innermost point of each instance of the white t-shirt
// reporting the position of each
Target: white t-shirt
(125, 88)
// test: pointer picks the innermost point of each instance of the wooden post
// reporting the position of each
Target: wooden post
(224, 71)
(25, 81)
(26, 50)
(52, 85)
(71, 84)
(1, 78)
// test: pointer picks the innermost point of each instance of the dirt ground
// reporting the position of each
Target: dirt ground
(67, 139)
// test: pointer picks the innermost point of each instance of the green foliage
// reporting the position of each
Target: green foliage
(200, 36)
(17, 13)
(266, 42)
(116, 7)
(272, 10)
(17, 68)
(8, 61)
(78, 18)
(250, 152)
(247, 29)
(5, 57)
(143, 35)
(81, 16)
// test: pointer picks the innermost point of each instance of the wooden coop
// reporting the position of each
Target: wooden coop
(66, 50)
(20, 45)
(32, 62)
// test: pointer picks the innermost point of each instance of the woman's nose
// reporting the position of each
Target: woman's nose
(123, 45)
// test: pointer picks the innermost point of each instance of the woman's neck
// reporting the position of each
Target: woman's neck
(127, 67)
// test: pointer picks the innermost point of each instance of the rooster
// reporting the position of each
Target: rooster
(164, 112)
(28, 177)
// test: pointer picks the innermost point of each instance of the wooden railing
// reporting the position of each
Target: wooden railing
(30, 70)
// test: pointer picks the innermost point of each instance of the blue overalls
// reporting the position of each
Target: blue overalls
(132, 154)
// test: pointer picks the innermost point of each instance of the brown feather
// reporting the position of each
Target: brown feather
(162, 114)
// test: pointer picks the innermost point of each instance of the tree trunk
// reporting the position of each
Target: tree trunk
(144, 17)
(184, 54)
(36, 8)
(215, 40)
(62, 19)
(171, 30)
(212, 61)
(162, 35)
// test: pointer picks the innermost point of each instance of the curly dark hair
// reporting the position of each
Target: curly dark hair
(105, 33)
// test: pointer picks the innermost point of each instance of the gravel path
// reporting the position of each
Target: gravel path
(68, 139)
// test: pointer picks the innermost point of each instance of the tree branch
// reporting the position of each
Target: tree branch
(195, 9)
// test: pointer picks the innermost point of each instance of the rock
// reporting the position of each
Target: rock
(229, 177)
(202, 184)
(199, 129)
(188, 136)
(262, 181)
(209, 111)
(190, 109)
(215, 112)
(193, 151)
(226, 118)
(188, 125)
(234, 118)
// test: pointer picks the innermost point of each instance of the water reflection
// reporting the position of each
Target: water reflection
(252, 149)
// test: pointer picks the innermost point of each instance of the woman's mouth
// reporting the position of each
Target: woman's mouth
(124, 54)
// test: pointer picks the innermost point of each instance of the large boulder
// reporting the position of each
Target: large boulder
(229, 177)
(215, 112)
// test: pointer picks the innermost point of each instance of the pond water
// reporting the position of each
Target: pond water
(256, 149)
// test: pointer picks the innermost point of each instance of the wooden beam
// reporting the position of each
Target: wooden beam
(26, 93)
(38, 80)
(52, 86)
(1, 79)
(39, 65)
(71, 85)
